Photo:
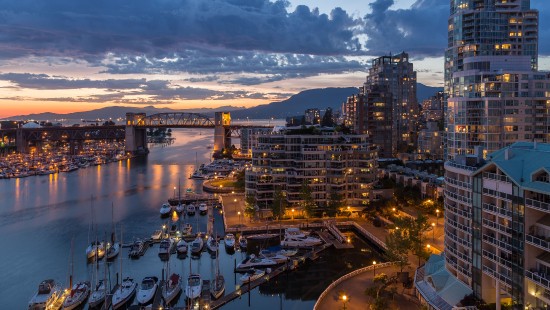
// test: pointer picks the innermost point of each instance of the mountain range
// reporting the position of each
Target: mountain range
(320, 98)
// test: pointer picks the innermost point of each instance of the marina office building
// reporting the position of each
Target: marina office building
(326, 161)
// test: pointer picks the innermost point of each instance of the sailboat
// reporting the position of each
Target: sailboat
(98, 294)
(113, 248)
(147, 291)
(217, 287)
(79, 291)
(96, 249)
(172, 286)
(125, 291)
(194, 286)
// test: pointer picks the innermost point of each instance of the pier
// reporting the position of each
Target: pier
(109, 299)
(158, 301)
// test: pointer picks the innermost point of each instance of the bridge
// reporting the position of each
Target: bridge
(133, 132)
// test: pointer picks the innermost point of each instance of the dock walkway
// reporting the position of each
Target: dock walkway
(109, 299)
(158, 302)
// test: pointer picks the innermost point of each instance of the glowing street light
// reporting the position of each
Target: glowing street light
(344, 299)
(293, 214)
(433, 232)
(437, 215)
(374, 268)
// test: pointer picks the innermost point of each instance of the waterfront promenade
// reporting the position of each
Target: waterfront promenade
(354, 286)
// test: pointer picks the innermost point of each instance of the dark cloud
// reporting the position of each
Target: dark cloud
(420, 30)
(44, 81)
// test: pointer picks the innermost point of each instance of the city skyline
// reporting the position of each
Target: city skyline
(64, 57)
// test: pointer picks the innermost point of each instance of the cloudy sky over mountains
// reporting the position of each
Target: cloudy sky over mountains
(72, 55)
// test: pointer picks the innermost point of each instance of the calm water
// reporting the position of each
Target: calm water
(39, 216)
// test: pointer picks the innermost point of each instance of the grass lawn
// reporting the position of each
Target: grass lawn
(223, 183)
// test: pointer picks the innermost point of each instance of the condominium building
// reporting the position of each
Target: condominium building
(388, 95)
(432, 108)
(249, 139)
(430, 141)
(325, 160)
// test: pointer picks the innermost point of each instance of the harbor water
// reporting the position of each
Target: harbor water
(41, 216)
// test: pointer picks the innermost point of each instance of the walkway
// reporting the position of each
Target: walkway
(354, 289)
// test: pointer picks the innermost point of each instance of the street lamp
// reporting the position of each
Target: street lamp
(293, 214)
(345, 299)
(174, 191)
(239, 213)
(374, 269)
(433, 232)
(437, 216)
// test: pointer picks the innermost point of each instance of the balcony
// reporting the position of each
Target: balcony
(497, 211)
(497, 275)
(503, 245)
(539, 278)
(496, 177)
(497, 226)
(543, 206)
(538, 242)
(463, 185)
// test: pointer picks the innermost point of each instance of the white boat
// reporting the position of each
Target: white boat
(95, 248)
(48, 294)
(112, 250)
(191, 209)
(172, 288)
(217, 287)
(136, 250)
(203, 208)
(251, 275)
(197, 245)
(187, 229)
(252, 262)
(229, 241)
(277, 257)
(181, 247)
(198, 175)
(212, 244)
(78, 295)
(98, 295)
(166, 246)
(165, 209)
(194, 286)
(147, 290)
(180, 208)
(243, 243)
(288, 252)
(124, 293)
(157, 235)
(296, 238)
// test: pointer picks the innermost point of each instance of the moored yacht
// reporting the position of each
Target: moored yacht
(172, 288)
(296, 238)
(147, 290)
(277, 257)
(136, 250)
(229, 241)
(181, 247)
(95, 249)
(197, 245)
(212, 244)
(194, 286)
(124, 293)
(180, 208)
(165, 209)
(253, 262)
(98, 295)
(79, 294)
(112, 250)
(165, 248)
(243, 243)
(203, 208)
(191, 209)
(48, 293)
(251, 275)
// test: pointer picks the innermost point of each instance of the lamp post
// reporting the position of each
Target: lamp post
(433, 232)
(437, 216)
(235, 202)
(373, 269)
(174, 191)
(293, 214)
(345, 299)
(239, 213)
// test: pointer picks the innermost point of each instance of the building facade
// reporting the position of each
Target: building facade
(249, 139)
(325, 160)
(387, 96)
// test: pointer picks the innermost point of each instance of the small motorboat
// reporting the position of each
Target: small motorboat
(180, 208)
(124, 293)
(98, 295)
(95, 249)
(299, 239)
(229, 241)
(252, 275)
(190, 209)
(203, 208)
(77, 296)
(243, 243)
(187, 229)
(276, 256)
(172, 288)
(212, 244)
(157, 235)
(165, 210)
(181, 247)
(166, 246)
(147, 290)
(194, 286)
(136, 250)
(48, 294)
(253, 262)
(112, 250)
(197, 245)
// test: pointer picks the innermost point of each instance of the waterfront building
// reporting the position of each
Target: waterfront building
(249, 139)
(325, 160)
(386, 108)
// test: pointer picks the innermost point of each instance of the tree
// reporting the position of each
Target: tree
(398, 246)
(240, 182)
(279, 204)
(250, 205)
(327, 120)
(308, 203)
(335, 203)
(377, 291)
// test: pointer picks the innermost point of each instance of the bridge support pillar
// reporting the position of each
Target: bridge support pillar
(136, 137)
(20, 141)
(222, 132)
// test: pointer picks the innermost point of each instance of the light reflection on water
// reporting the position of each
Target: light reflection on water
(40, 215)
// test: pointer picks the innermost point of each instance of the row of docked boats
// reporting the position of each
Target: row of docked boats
(166, 209)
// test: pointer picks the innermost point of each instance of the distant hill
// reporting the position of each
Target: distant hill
(424, 92)
(320, 98)
(118, 112)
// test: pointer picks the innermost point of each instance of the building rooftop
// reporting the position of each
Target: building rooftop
(521, 161)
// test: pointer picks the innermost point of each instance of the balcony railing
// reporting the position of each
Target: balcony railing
(538, 242)
(538, 277)
(497, 177)
(543, 206)
(497, 211)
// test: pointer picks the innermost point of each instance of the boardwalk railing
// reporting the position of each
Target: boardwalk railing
(348, 276)
(335, 231)
(365, 233)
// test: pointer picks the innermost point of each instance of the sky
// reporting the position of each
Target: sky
(74, 55)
